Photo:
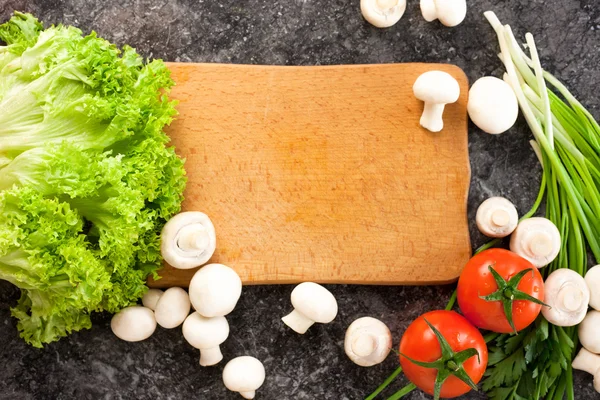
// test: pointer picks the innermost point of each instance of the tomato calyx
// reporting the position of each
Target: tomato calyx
(450, 363)
(507, 293)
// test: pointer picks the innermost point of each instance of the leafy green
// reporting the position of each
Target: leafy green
(86, 178)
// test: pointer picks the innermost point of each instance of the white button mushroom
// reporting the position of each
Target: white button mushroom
(172, 308)
(206, 334)
(151, 297)
(244, 375)
(592, 278)
(537, 240)
(312, 303)
(133, 324)
(188, 240)
(382, 13)
(215, 290)
(497, 217)
(436, 89)
(567, 297)
(590, 363)
(368, 341)
(449, 12)
(492, 105)
(589, 331)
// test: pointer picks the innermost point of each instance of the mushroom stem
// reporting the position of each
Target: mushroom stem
(586, 361)
(571, 298)
(297, 321)
(540, 244)
(500, 218)
(432, 117)
(364, 345)
(193, 237)
(210, 356)
(249, 394)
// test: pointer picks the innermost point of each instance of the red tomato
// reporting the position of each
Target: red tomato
(476, 280)
(420, 343)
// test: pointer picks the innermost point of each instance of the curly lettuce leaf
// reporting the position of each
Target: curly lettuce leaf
(86, 178)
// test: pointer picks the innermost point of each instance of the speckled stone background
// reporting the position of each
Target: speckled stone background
(96, 365)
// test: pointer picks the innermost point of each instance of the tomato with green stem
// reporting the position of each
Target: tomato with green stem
(443, 354)
(500, 291)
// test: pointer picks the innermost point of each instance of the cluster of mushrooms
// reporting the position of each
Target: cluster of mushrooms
(188, 240)
(492, 104)
(385, 13)
(567, 294)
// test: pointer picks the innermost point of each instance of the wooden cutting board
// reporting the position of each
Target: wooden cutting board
(323, 173)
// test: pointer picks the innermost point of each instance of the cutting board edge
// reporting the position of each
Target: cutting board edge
(158, 285)
(460, 72)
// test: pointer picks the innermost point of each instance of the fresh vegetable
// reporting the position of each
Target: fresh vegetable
(450, 12)
(188, 240)
(312, 303)
(86, 181)
(497, 217)
(443, 354)
(382, 13)
(172, 308)
(567, 297)
(592, 279)
(215, 290)
(536, 239)
(492, 105)
(151, 297)
(500, 291)
(206, 335)
(590, 363)
(244, 375)
(133, 324)
(436, 89)
(368, 341)
(536, 363)
(589, 331)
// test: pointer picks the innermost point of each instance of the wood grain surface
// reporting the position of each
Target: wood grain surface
(323, 173)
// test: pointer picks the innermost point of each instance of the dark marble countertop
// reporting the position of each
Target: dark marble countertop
(96, 365)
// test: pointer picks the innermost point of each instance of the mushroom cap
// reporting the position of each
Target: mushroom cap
(243, 374)
(133, 324)
(172, 308)
(589, 331)
(382, 13)
(592, 278)
(436, 87)
(151, 297)
(368, 341)
(177, 229)
(215, 290)
(451, 12)
(497, 217)
(537, 240)
(492, 105)
(315, 302)
(567, 297)
(205, 333)
(428, 10)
